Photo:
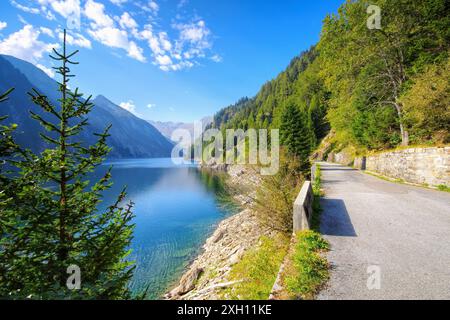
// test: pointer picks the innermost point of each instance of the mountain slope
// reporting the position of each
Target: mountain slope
(131, 137)
(167, 128)
(298, 85)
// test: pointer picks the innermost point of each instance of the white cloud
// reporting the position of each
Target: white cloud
(47, 31)
(111, 37)
(65, 8)
(152, 40)
(193, 32)
(151, 7)
(216, 58)
(127, 22)
(25, 44)
(48, 71)
(3, 25)
(96, 12)
(151, 105)
(170, 52)
(118, 2)
(129, 106)
(75, 39)
(103, 30)
(21, 19)
(182, 3)
(135, 52)
(164, 41)
(163, 60)
(25, 8)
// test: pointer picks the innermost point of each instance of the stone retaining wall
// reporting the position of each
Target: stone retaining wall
(429, 166)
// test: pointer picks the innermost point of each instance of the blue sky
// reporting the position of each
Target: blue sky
(168, 60)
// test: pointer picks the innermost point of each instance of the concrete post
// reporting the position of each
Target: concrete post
(303, 208)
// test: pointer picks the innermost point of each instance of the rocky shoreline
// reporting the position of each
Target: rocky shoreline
(209, 272)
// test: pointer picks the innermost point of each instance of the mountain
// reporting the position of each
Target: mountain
(131, 137)
(167, 128)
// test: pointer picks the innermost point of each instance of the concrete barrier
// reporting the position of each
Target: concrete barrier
(303, 208)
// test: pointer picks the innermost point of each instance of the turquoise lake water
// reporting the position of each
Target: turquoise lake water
(176, 209)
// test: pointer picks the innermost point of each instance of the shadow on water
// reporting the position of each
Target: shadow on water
(335, 219)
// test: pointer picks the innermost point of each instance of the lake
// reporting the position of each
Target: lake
(176, 208)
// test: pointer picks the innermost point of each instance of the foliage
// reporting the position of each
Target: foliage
(7, 149)
(295, 134)
(306, 269)
(258, 270)
(7, 145)
(427, 104)
(52, 221)
(443, 187)
(367, 71)
(276, 195)
(299, 85)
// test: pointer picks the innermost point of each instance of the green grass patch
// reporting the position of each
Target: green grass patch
(443, 187)
(257, 270)
(307, 269)
(317, 210)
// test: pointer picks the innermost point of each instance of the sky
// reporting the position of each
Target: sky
(166, 60)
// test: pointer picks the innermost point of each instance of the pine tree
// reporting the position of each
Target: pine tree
(7, 148)
(295, 134)
(53, 221)
(7, 145)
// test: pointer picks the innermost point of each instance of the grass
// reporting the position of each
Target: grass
(306, 268)
(258, 270)
(317, 210)
(443, 187)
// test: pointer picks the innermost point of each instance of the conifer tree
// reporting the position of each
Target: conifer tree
(7, 148)
(295, 134)
(7, 145)
(53, 221)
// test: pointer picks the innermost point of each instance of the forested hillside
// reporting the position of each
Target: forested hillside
(376, 88)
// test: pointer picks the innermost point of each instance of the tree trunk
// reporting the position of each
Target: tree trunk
(403, 132)
(405, 135)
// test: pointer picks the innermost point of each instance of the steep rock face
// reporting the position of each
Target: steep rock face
(131, 137)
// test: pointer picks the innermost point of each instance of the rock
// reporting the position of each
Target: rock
(187, 282)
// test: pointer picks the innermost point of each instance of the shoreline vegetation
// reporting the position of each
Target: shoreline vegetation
(242, 258)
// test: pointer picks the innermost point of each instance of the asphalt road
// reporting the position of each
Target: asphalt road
(388, 240)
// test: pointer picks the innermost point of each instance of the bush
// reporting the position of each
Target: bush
(277, 193)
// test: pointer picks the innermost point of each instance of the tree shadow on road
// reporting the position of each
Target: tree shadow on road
(335, 220)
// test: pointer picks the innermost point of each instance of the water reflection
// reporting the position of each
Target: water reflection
(176, 209)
